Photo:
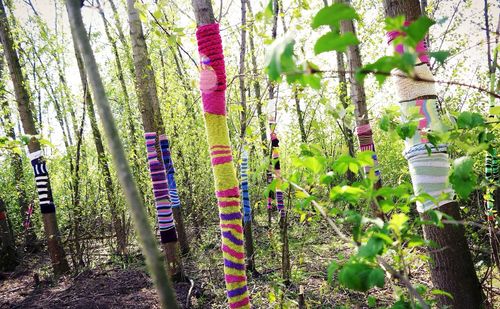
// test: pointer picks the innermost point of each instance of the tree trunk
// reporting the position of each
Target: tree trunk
(8, 254)
(363, 129)
(56, 251)
(153, 259)
(452, 269)
(256, 85)
(31, 243)
(153, 125)
(213, 91)
(247, 220)
(300, 115)
(348, 135)
(270, 197)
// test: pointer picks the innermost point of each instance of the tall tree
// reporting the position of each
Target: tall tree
(213, 93)
(117, 216)
(452, 269)
(154, 130)
(358, 96)
(153, 260)
(247, 222)
(56, 251)
(30, 239)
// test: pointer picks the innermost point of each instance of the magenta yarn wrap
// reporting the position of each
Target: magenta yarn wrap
(365, 138)
(213, 70)
(421, 49)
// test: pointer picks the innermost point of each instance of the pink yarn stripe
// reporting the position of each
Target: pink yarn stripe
(228, 203)
(240, 303)
(235, 227)
(234, 279)
(217, 152)
(233, 253)
(229, 192)
(222, 160)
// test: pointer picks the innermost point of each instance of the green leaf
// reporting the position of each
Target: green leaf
(397, 222)
(332, 268)
(333, 14)
(372, 301)
(462, 177)
(333, 41)
(361, 277)
(281, 59)
(441, 292)
(440, 56)
(495, 111)
(419, 28)
(376, 278)
(469, 120)
(371, 248)
(407, 130)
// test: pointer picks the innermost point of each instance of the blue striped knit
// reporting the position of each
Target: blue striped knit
(169, 168)
(247, 210)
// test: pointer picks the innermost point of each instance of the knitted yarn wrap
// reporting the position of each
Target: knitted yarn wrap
(429, 164)
(365, 138)
(42, 182)
(245, 200)
(212, 86)
(169, 169)
(275, 158)
(160, 190)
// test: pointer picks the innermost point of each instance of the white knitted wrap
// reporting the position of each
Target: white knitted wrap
(409, 88)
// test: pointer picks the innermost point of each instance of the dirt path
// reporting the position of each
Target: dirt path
(96, 288)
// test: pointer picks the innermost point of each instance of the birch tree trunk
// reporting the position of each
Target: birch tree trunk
(102, 159)
(147, 240)
(55, 248)
(152, 122)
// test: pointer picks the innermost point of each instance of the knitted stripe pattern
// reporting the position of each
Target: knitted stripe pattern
(42, 182)
(492, 177)
(245, 197)
(365, 138)
(275, 159)
(428, 164)
(169, 168)
(270, 195)
(160, 190)
(213, 86)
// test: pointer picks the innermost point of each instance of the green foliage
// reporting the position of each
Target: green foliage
(361, 277)
(333, 14)
(462, 176)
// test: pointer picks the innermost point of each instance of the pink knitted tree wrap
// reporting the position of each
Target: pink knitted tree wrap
(213, 70)
(421, 49)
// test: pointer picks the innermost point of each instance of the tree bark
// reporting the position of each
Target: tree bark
(31, 243)
(359, 97)
(151, 116)
(256, 84)
(247, 226)
(56, 251)
(300, 115)
(153, 257)
(348, 134)
(452, 269)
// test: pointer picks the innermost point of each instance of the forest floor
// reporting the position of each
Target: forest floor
(115, 285)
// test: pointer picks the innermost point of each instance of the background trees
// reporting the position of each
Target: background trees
(316, 118)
